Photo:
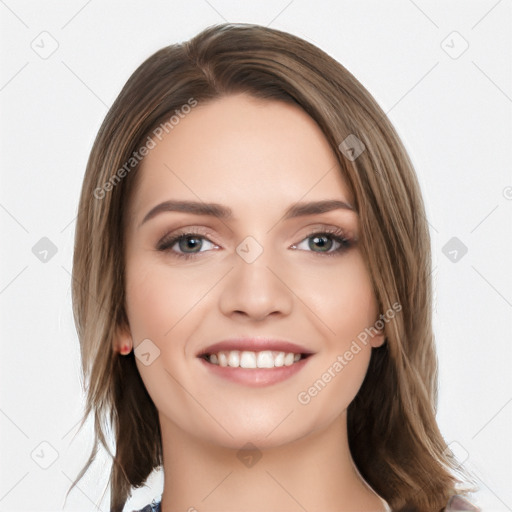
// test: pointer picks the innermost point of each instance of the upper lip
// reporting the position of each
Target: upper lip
(255, 344)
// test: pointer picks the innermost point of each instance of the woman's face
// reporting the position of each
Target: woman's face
(260, 274)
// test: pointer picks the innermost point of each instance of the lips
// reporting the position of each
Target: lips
(254, 362)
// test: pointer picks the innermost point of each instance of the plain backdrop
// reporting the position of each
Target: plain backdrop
(442, 71)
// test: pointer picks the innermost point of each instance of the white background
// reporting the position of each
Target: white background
(453, 114)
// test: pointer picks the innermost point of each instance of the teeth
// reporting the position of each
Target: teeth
(288, 359)
(279, 359)
(265, 359)
(248, 359)
(234, 358)
(223, 359)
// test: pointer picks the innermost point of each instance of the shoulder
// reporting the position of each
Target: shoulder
(458, 503)
(154, 506)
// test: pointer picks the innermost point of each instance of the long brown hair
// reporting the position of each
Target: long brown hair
(393, 435)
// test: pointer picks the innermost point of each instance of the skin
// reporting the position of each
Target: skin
(256, 157)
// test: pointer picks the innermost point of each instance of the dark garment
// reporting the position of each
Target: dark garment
(154, 506)
(456, 504)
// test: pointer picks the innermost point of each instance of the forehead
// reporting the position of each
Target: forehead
(241, 151)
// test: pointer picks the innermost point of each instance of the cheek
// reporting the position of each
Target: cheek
(162, 306)
(334, 382)
(332, 389)
(347, 306)
(149, 305)
(344, 298)
(158, 298)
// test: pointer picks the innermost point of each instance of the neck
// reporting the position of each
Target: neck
(313, 473)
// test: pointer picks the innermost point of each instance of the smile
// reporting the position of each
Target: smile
(254, 369)
(249, 359)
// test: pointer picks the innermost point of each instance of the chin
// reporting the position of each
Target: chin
(264, 432)
(253, 439)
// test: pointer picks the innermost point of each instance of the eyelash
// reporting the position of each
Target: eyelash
(337, 234)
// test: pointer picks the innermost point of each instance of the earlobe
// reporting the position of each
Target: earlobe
(378, 340)
(123, 342)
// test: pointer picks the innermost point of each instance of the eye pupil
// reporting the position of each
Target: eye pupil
(320, 240)
(189, 242)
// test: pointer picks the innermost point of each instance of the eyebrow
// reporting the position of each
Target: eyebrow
(225, 213)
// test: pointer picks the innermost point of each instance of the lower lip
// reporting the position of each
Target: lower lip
(256, 377)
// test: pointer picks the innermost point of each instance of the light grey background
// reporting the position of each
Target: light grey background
(451, 107)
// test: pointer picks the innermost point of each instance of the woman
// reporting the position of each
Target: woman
(252, 287)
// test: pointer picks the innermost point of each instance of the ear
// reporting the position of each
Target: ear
(378, 339)
(123, 341)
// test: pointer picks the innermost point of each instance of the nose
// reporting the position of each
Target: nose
(256, 289)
